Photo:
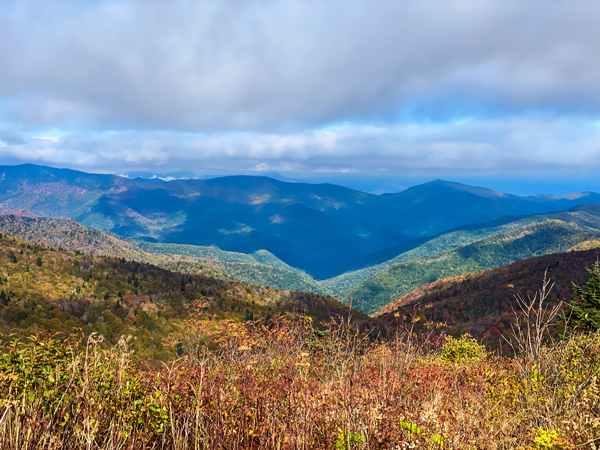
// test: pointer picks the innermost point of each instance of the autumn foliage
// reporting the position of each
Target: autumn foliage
(284, 384)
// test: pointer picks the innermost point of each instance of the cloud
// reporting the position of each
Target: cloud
(381, 88)
(288, 65)
(508, 146)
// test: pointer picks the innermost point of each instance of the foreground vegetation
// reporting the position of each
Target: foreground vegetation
(286, 385)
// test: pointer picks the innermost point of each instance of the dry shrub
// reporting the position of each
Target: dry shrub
(287, 385)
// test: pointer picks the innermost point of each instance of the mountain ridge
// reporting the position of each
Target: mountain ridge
(550, 236)
(482, 303)
(324, 229)
(260, 268)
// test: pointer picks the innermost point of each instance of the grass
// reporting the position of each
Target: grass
(285, 385)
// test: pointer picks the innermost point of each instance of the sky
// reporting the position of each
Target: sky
(375, 94)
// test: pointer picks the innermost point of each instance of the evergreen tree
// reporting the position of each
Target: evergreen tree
(584, 314)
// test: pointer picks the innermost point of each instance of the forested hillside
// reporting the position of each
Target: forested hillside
(260, 268)
(584, 216)
(50, 290)
(482, 303)
(551, 236)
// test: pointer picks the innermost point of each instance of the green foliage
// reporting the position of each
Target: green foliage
(348, 440)
(72, 379)
(545, 439)
(584, 312)
(410, 427)
(547, 237)
(462, 349)
(36, 369)
(438, 440)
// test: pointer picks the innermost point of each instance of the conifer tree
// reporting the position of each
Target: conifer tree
(584, 314)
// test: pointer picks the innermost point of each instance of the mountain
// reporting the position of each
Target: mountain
(442, 205)
(315, 227)
(322, 229)
(584, 216)
(51, 290)
(260, 267)
(551, 236)
(482, 303)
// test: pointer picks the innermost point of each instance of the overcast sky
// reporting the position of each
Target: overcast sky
(339, 89)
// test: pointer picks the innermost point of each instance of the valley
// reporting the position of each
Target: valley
(322, 229)
(152, 316)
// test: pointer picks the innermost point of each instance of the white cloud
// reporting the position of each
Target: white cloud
(508, 146)
(271, 65)
(422, 88)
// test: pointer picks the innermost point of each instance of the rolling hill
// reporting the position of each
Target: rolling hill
(260, 268)
(322, 229)
(371, 284)
(584, 216)
(550, 236)
(50, 290)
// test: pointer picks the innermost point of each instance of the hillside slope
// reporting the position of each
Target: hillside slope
(551, 236)
(49, 290)
(261, 267)
(584, 216)
(481, 303)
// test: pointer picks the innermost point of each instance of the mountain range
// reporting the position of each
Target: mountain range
(444, 251)
(54, 290)
(373, 287)
(260, 267)
(321, 229)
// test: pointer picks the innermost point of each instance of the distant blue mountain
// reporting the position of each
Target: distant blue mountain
(324, 229)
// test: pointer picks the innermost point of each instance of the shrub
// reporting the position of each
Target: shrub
(464, 348)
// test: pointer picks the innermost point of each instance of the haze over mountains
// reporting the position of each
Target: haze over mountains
(322, 229)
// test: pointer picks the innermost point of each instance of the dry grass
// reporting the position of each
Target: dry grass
(289, 386)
